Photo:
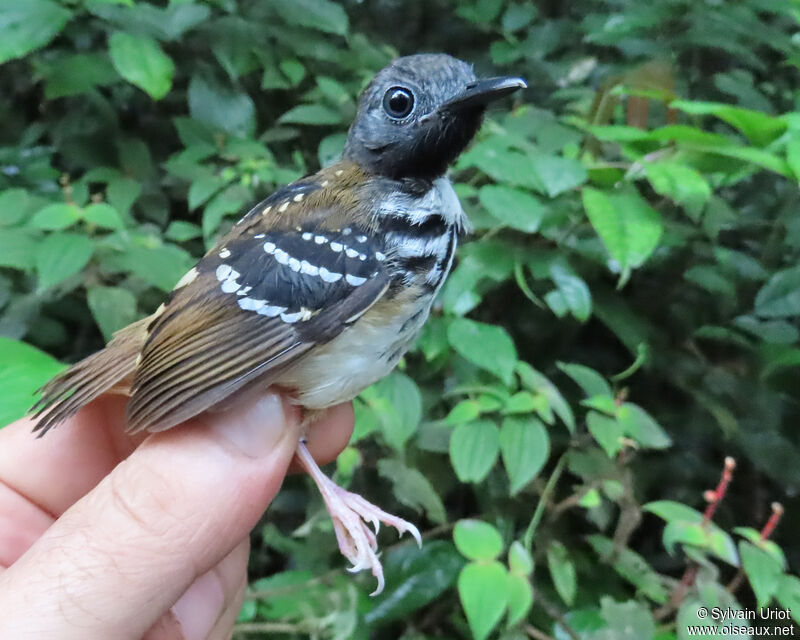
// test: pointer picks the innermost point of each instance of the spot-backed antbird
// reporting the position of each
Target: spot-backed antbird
(319, 289)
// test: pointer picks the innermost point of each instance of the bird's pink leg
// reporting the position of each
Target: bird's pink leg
(350, 514)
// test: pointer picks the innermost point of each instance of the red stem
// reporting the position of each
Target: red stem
(774, 519)
(715, 497)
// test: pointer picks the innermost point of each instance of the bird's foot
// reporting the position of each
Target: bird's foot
(350, 514)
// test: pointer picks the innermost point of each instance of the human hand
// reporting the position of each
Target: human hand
(104, 535)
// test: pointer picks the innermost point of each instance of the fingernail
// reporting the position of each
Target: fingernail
(255, 426)
(198, 609)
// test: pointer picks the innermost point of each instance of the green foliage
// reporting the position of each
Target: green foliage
(636, 240)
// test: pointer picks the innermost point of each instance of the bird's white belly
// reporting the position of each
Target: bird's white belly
(361, 355)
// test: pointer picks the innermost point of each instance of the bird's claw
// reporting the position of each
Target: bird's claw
(351, 513)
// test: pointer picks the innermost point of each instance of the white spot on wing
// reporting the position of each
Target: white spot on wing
(281, 257)
(284, 206)
(294, 264)
(380, 257)
(259, 235)
(271, 311)
(251, 304)
(307, 235)
(351, 253)
(356, 281)
(308, 268)
(361, 238)
(269, 247)
(320, 239)
(329, 276)
(230, 285)
(224, 253)
(336, 246)
(298, 197)
(347, 231)
(224, 270)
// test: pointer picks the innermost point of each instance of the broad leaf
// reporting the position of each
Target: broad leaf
(473, 449)
(477, 540)
(141, 61)
(112, 307)
(525, 447)
(513, 207)
(485, 345)
(23, 369)
(28, 25)
(483, 590)
(60, 256)
(562, 571)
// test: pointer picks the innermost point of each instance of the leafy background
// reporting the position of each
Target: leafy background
(624, 317)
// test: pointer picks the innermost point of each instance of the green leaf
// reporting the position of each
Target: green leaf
(573, 291)
(780, 296)
(483, 590)
(525, 447)
(79, 73)
(23, 369)
(112, 307)
(629, 227)
(473, 449)
(607, 431)
(520, 598)
(558, 174)
(14, 205)
(763, 571)
(413, 489)
(140, 60)
(484, 345)
(28, 25)
(562, 571)
(632, 567)
(681, 183)
(316, 114)
(630, 620)
(397, 403)
(591, 382)
(477, 540)
(160, 267)
(640, 426)
(519, 559)
(414, 578)
(103, 215)
(181, 231)
(464, 411)
(60, 256)
(513, 207)
(788, 595)
(759, 127)
(56, 216)
(17, 248)
(322, 15)
(220, 105)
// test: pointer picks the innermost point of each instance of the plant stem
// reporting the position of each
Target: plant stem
(527, 539)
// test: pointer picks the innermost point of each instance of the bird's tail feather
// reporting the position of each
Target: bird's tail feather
(70, 390)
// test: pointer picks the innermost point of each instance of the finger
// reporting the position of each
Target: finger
(223, 630)
(162, 518)
(21, 524)
(57, 469)
(206, 601)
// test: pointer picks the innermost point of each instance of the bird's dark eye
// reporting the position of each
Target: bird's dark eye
(398, 102)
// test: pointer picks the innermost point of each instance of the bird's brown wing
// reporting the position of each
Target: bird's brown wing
(248, 310)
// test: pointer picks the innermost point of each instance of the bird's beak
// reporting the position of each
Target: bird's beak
(482, 92)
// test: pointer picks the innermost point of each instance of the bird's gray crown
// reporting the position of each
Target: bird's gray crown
(418, 114)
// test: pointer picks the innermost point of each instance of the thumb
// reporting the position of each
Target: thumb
(122, 556)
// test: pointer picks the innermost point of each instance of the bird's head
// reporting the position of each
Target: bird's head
(419, 113)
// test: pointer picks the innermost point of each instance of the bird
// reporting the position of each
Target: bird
(318, 290)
